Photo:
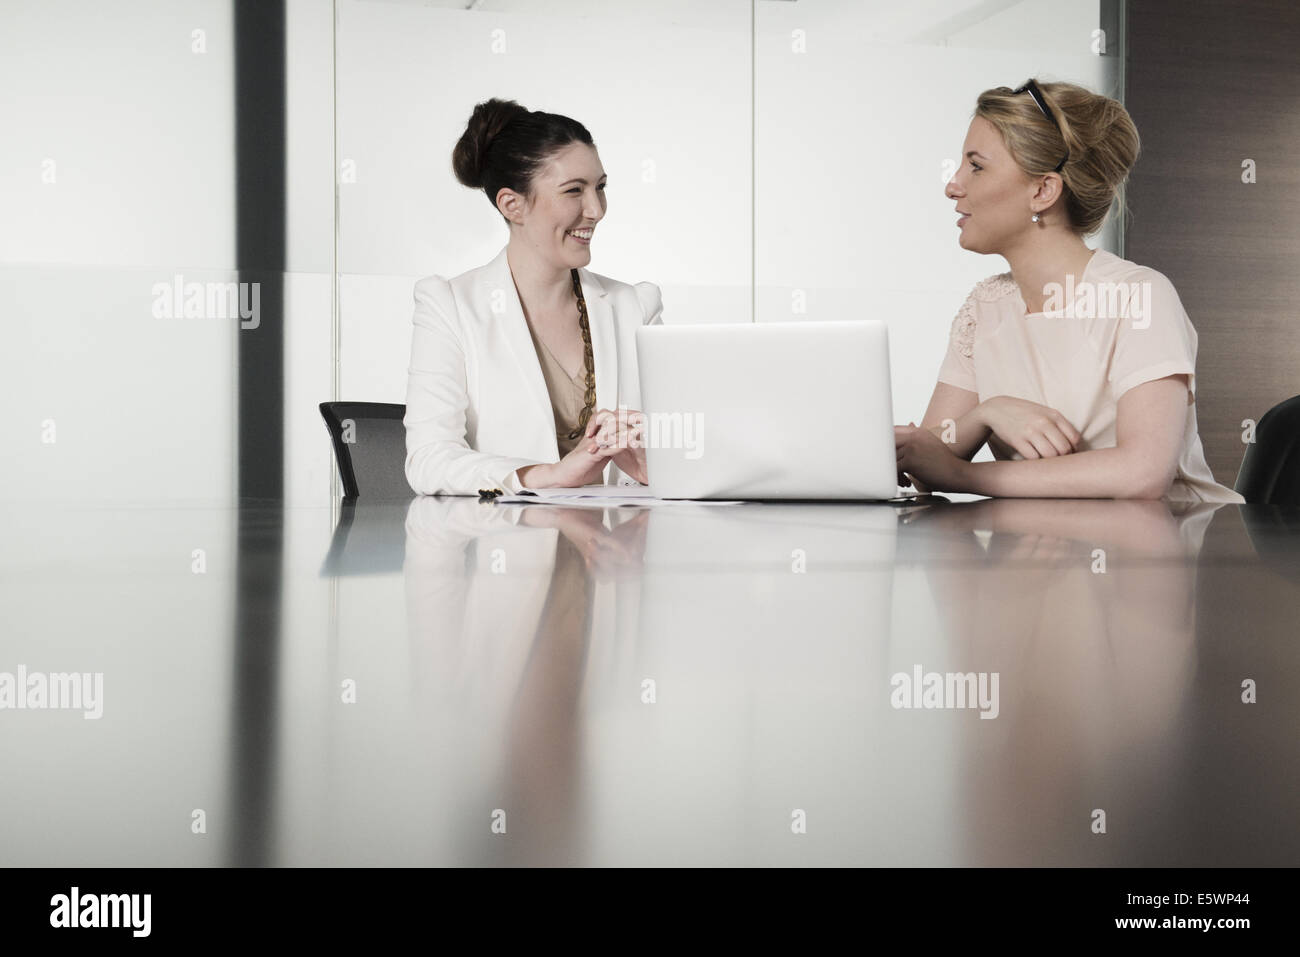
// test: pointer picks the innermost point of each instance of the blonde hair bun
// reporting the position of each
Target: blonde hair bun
(1096, 130)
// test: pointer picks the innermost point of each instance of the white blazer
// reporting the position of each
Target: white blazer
(477, 408)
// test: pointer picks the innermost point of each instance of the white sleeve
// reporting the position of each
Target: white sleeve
(652, 303)
(438, 457)
(652, 314)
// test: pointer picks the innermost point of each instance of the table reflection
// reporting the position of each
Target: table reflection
(501, 605)
(453, 682)
(1086, 609)
(768, 636)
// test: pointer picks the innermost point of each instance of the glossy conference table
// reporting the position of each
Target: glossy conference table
(452, 682)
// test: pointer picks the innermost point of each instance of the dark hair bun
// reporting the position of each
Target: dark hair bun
(469, 158)
(504, 145)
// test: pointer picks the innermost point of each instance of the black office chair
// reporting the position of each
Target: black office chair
(1270, 469)
(370, 448)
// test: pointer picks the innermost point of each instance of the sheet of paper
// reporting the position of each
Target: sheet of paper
(601, 496)
(587, 491)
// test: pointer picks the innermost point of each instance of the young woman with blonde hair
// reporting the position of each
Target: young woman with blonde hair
(1076, 367)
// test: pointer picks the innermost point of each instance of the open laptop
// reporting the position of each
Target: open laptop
(769, 410)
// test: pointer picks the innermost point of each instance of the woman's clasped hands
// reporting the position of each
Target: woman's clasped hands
(619, 435)
(1011, 426)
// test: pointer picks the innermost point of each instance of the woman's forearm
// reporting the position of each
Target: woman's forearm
(967, 434)
(1097, 473)
(535, 476)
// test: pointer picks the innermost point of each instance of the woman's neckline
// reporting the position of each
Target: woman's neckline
(578, 377)
(1026, 314)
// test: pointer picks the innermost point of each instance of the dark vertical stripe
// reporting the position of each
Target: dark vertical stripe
(259, 537)
(260, 241)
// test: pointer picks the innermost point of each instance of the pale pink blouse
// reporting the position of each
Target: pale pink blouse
(1121, 325)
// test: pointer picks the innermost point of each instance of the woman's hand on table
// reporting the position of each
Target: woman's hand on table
(924, 457)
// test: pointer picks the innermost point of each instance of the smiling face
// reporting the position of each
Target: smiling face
(992, 193)
(568, 200)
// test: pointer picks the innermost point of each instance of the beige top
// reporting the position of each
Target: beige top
(567, 393)
(1122, 325)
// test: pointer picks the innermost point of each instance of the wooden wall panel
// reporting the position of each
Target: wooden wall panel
(1210, 84)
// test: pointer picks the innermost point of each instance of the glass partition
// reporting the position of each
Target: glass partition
(117, 245)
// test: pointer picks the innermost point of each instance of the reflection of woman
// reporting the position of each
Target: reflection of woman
(513, 612)
(523, 371)
(1086, 609)
(1077, 367)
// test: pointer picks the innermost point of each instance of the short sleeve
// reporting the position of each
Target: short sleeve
(958, 367)
(1154, 338)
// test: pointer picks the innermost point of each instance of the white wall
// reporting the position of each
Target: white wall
(117, 173)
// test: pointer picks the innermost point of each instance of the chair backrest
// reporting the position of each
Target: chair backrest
(1270, 469)
(370, 448)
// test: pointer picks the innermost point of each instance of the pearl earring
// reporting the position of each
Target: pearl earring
(1033, 218)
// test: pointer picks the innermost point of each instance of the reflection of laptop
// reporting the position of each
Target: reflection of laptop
(794, 410)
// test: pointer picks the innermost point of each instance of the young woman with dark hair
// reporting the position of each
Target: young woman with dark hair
(523, 371)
